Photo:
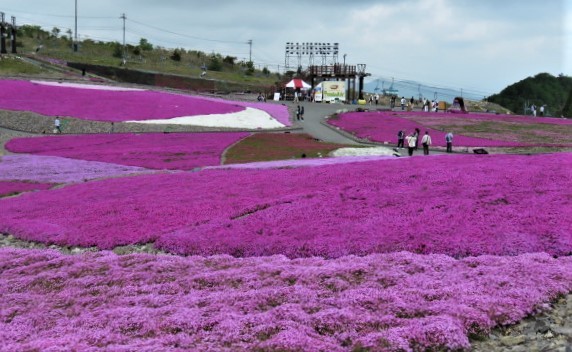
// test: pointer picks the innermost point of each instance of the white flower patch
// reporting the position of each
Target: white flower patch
(248, 118)
(362, 151)
(87, 86)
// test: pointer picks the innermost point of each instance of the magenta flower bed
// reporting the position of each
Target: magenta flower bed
(54, 169)
(383, 127)
(173, 151)
(458, 205)
(8, 188)
(512, 118)
(104, 105)
(390, 302)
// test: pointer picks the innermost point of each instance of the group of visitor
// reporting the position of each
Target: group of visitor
(533, 109)
(413, 141)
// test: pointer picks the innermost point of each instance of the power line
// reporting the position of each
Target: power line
(188, 36)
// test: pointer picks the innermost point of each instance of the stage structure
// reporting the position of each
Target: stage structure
(320, 63)
(303, 55)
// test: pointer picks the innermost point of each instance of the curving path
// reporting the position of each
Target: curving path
(313, 124)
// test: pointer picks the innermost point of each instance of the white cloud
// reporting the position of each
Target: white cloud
(426, 40)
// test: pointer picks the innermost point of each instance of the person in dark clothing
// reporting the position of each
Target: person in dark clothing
(400, 139)
(417, 131)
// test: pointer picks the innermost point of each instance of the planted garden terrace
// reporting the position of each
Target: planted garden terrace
(103, 104)
(118, 104)
(10, 188)
(470, 130)
(52, 169)
(390, 302)
(277, 146)
(172, 151)
(480, 205)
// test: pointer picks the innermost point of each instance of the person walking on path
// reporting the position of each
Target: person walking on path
(400, 139)
(302, 112)
(57, 125)
(403, 101)
(411, 141)
(426, 142)
(298, 113)
(449, 140)
(417, 132)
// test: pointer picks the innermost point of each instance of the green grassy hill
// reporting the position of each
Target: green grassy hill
(36, 42)
(542, 89)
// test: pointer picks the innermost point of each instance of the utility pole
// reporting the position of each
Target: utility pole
(124, 18)
(3, 34)
(75, 31)
(250, 51)
(13, 35)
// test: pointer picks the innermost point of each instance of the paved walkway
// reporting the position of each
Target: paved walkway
(314, 114)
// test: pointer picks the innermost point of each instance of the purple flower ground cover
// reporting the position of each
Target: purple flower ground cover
(459, 205)
(383, 127)
(509, 118)
(8, 188)
(104, 105)
(390, 302)
(39, 168)
(172, 151)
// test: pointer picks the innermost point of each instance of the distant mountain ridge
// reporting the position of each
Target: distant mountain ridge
(410, 89)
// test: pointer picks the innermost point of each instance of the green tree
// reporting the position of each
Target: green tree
(56, 32)
(229, 60)
(176, 55)
(145, 45)
(215, 63)
(249, 65)
(542, 89)
(33, 31)
(117, 50)
(567, 110)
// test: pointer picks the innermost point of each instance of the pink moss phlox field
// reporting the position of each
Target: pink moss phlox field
(383, 127)
(390, 302)
(172, 151)
(14, 187)
(460, 205)
(39, 168)
(506, 118)
(104, 105)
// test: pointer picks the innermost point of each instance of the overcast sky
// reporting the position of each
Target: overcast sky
(478, 45)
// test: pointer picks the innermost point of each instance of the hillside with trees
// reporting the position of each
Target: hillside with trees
(33, 41)
(542, 89)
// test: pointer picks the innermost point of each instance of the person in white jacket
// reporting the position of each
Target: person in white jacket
(411, 142)
(426, 142)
